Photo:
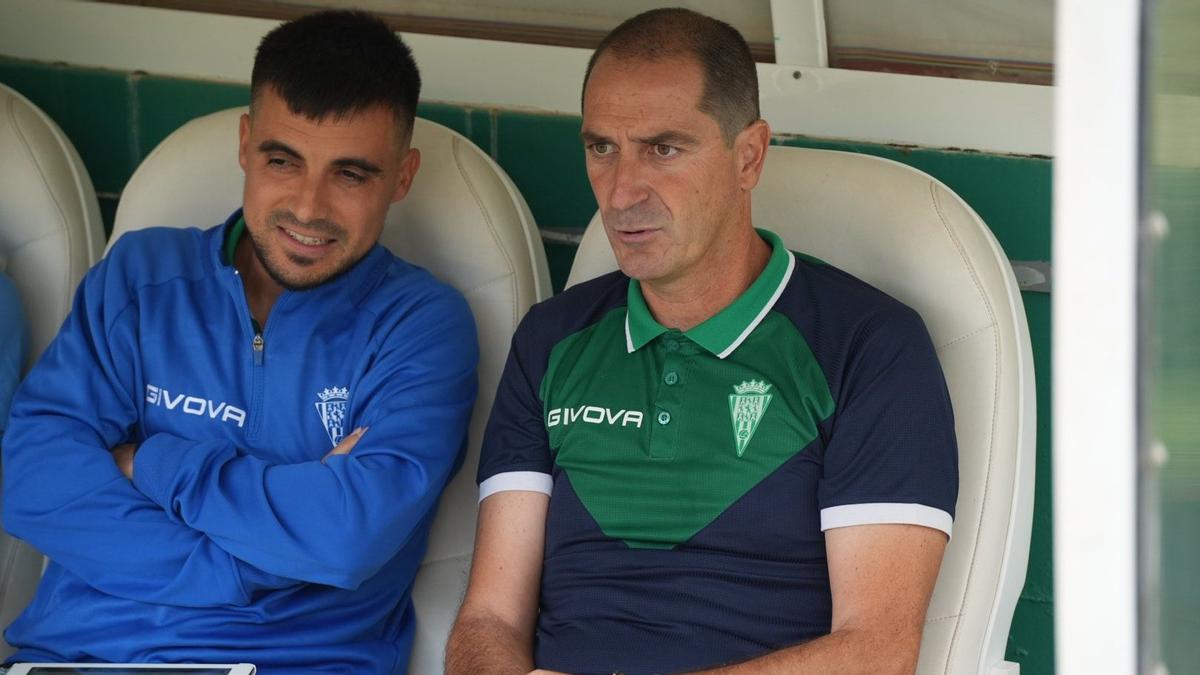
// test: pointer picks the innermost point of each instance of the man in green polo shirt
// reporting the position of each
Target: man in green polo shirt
(726, 456)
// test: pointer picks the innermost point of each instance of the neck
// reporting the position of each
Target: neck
(693, 298)
(261, 289)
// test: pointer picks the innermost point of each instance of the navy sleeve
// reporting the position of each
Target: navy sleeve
(64, 494)
(891, 455)
(516, 449)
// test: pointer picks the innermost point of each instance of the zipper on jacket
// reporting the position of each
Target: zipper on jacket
(258, 347)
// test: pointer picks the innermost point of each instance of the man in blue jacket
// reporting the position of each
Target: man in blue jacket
(233, 449)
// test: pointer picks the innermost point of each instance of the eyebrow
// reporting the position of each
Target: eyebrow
(276, 146)
(669, 138)
(663, 138)
(355, 162)
(360, 164)
(593, 137)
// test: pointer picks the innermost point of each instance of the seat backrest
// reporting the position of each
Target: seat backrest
(907, 234)
(463, 220)
(50, 234)
(50, 227)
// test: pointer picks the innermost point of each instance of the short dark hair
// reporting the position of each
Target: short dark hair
(730, 79)
(338, 63)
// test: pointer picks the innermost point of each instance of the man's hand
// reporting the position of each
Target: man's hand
(123, 456)
(346, 444)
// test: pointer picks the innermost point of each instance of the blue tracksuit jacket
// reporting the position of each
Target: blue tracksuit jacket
(234, 541)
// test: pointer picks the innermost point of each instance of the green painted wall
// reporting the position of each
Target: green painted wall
(116, 118)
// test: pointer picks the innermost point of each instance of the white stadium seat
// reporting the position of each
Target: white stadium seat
(907, 234)
(50, 234)
(50, 228)
(463, 220)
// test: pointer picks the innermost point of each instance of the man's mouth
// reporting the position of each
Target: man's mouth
(642, 221)
(632, 234)
(304, 239)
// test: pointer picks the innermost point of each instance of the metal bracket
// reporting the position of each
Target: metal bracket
(561, 235)
(1034, 276)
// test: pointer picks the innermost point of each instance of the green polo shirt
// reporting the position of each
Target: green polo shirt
(692, 473)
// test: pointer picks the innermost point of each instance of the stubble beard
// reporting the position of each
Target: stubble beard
(325, 227)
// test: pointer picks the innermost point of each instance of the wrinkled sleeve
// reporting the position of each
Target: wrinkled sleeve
(64, 494)
(339, 521)
(516, 450)
(892, 455)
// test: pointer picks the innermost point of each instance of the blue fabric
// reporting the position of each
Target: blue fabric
(13, 343)
(235, 542)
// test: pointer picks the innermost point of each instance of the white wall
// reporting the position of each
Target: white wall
(821, 102)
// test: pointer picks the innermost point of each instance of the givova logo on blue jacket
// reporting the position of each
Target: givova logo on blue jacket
(194, 405)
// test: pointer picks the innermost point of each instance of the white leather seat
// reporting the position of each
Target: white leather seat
(50, 227)
(463, 220)
(50, 234)
(907, 234)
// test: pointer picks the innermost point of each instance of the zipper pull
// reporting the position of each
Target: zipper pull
(259, 345)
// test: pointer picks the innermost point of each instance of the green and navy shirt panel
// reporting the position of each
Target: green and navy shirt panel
(890, 453)
(606, 607)
(515, 453)
(577, 310)
(622, 407)
(656, 462)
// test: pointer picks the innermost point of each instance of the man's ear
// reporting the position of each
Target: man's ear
(408, 170)
(750, 151)
(244, 141)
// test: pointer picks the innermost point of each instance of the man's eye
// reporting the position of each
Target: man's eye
(663, 150)
(277, 161)
(353, 177)
(601, 148)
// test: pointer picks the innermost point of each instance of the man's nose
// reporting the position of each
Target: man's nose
(628, 187)
(311, 201)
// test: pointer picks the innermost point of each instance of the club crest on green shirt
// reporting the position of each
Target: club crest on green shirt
(747, 405)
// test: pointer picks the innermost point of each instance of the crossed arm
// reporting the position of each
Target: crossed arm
(881, 577)
(123, 453)
(202, 523)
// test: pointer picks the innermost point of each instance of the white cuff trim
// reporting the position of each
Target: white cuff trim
(527, 481)
(884, 513)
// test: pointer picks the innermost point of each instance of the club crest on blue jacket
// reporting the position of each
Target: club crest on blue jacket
(332, 409)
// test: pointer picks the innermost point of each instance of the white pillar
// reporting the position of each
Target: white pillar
(1096, 211)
